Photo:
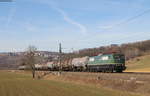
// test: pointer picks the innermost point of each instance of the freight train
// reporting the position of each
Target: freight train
(108, 62)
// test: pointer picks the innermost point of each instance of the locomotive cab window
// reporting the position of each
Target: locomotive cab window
(122, 56)
(117, 57)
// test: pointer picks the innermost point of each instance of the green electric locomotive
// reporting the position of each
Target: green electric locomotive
(110, 62)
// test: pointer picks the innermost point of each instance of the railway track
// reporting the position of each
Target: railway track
(136, 73)
(141, 73)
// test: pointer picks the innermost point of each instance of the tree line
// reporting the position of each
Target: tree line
(131, 50)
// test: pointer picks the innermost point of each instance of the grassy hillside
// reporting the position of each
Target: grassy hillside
(12, 84)
(139, 64)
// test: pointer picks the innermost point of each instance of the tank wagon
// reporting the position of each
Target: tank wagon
(23, 67)
(79, 64)
(108, 62)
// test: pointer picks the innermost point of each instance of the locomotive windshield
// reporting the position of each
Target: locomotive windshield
(119, 56)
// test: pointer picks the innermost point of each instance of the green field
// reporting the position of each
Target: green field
(13, 84)
(139, 64)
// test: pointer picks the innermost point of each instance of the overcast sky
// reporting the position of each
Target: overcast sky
(76, 24)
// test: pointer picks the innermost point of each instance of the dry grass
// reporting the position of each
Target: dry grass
(21, 84)
(123, 82)
(139, 64)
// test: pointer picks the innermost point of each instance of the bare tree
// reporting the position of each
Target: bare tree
(30, 59)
